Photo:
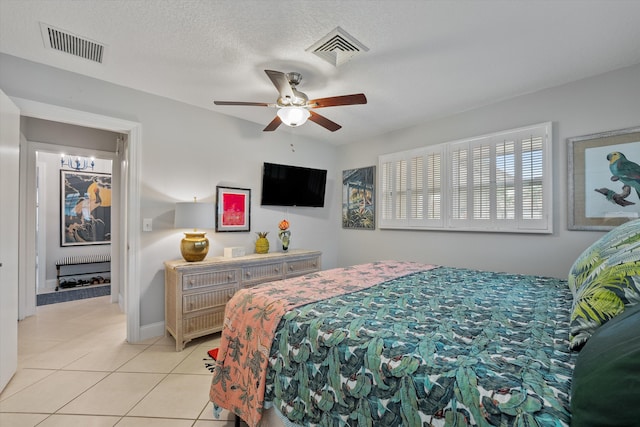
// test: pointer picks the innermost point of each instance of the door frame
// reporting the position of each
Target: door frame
(129, 158)
(9, 220)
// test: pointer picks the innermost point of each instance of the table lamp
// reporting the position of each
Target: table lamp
(195, 245)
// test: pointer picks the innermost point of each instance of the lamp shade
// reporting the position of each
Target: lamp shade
(293, 116)
(195, 215)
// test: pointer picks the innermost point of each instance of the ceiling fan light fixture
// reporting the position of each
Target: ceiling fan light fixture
(294, 107)
(293, 116)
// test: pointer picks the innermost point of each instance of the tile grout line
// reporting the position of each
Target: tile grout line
(39, 328)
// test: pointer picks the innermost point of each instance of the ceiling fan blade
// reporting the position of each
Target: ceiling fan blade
(334, 101)
(254, 104)
(273, 125)
(324, 122)
(281, 82)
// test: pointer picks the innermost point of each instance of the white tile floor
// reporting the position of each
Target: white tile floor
(75, 368)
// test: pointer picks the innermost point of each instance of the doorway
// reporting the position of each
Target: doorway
(42, 193)
(74, 215)
(125, 259)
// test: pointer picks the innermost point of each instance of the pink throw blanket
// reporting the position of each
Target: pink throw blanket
(251, 319)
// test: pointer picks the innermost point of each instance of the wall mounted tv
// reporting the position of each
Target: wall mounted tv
(284, 185)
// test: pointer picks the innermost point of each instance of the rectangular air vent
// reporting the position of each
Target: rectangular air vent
(337, 47)
(72, 44)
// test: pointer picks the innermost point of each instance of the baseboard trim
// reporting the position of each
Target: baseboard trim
(49, 286)
(153, 330)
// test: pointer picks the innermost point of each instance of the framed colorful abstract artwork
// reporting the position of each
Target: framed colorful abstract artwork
(233, 209)
(85, 208)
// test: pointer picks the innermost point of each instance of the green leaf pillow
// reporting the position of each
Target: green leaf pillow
(604, 280)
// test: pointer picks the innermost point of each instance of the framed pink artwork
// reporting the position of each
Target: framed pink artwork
(233, 209)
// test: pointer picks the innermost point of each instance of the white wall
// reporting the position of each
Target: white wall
(186, 152)
(64, 134)
(606, 102)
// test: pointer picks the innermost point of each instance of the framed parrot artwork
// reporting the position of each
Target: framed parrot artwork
(604, 179)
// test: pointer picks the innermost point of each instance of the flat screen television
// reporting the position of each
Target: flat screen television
(285, 185)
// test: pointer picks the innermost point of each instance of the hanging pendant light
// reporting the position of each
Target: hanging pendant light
(78, 163)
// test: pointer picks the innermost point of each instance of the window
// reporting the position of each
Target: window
(498, 182)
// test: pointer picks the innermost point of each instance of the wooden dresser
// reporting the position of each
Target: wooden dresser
(196, 292)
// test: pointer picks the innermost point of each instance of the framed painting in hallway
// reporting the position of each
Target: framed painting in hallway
(85, 214)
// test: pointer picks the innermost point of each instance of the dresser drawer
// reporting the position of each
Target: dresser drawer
(200, 280)
(203, 323)
(196, 293)
(262, 273)
(303, 266)
(202, 300)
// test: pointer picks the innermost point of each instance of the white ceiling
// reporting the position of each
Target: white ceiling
(426, 59)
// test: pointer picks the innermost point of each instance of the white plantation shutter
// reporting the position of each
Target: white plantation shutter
(505, 176)
(433, 190)
(410, 185)
(392, 191)
(536, 182)
(482, 169)
(400, 189)
(385, 192)
(459, 182)
(497, 182)
(532, 171)
(473, 177)
(416, 189)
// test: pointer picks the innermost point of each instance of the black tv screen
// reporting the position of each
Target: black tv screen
(284, 185)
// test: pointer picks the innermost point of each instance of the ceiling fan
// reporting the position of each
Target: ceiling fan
(294, 107)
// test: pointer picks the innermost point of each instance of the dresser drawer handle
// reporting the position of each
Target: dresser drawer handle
(275, 269)
(291, 268)
(229, 296)
(230, 277)
(192, 282)
(248, 274)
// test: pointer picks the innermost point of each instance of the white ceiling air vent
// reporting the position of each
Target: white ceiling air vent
(337, 47)
(72, 44)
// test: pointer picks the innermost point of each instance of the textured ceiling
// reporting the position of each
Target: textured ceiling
(426, 59)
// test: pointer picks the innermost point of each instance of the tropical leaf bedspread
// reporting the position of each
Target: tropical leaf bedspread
(421, 347)
(252, 316)
(441, 347)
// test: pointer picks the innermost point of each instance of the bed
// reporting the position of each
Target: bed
(405, 344)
